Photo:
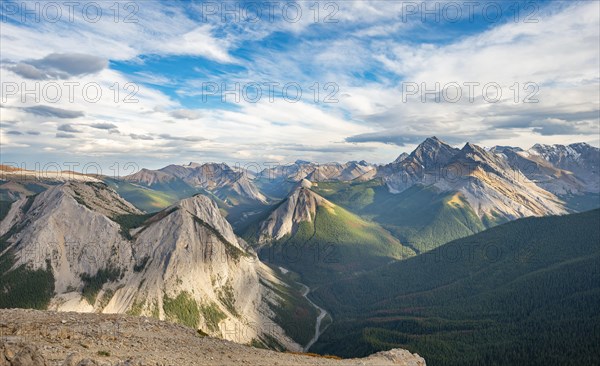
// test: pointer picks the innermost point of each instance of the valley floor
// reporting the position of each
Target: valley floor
(73, 339)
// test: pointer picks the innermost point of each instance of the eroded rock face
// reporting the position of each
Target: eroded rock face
(581, 159)
(46, 338)
(185, 257)
(490, 182)
(543, 173)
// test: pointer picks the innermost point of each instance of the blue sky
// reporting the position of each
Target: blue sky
(364, 58)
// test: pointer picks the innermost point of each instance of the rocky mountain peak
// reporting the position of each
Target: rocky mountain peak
(102, 255)
(477, 153)
(469, 147)
(432, 152)
(206, 209)
(542, 147)
(192, 164)
(471, 156)
(219, 178)
(401, 157)
(300, 206)
(581, 159)
(431, 141)
(179, 171)
(581, 146)
(559, 155)
(350, 171)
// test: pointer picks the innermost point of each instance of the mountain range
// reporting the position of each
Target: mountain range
(526, 183)
(228, 251)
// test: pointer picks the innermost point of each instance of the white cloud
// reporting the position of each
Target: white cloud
(560, 54)
(156, 29)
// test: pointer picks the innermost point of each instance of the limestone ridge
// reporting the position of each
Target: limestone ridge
(183, 260)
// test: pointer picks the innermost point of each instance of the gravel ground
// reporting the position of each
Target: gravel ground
(38, 338)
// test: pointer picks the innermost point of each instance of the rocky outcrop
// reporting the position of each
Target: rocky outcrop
(149, 177)
(494, 189)
(421, 166)
(16, 183)
(39, 338)
(20, 354)
(10, 173)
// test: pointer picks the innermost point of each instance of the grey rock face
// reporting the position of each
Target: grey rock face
(187, 250)
(490, 182)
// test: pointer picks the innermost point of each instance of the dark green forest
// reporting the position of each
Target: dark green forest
(522, 293)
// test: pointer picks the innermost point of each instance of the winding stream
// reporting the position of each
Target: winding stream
(322, 314)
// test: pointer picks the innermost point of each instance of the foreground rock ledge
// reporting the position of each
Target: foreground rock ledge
(40, 338)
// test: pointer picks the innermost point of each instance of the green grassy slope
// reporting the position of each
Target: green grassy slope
(335, 244)
(21, 188)
(148, 199)
(161, 195)
(523, 293)
(238, 210)
(419, 217)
